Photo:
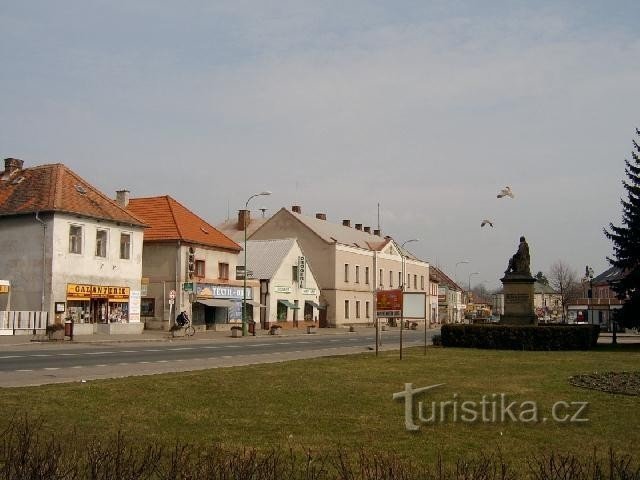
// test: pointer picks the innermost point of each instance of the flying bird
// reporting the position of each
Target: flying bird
(486, 222)
(506, 192)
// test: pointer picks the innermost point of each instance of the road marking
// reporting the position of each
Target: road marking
(97, 353)
(232, 346)
(77, 366)
(211, 347)
(12, 356)
(128, 351)
(179, 349)
(302, 342)
(144, 362)
(42, 355)
(123, 363)
(24, 370)
(101, 365)
(52, 368)
(68, 354)
(259, 345)
(152, 350)
(227, 356)
(334, 340)
(162, 361)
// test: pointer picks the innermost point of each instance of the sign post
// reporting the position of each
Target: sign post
(389, 305)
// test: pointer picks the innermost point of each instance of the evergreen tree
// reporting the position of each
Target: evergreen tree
(626, 244)
(542, 278)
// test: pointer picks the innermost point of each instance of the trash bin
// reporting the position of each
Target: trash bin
(252, 328)
(68, 329)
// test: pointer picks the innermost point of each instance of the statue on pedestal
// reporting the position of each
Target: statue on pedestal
(519, 262)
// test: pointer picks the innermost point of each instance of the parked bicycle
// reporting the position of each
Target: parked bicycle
(184, 322)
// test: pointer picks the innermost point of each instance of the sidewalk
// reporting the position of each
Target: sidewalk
(163, 336)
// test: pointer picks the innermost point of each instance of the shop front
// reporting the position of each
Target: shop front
(101, 309)
(219, 307)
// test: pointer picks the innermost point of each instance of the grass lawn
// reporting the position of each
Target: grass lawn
(346, 401)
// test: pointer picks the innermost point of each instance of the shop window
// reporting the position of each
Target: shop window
(282, 312)
(148, 307)
(200, 268)
(223, 271)
(294, 273)
(101, 243)
(125, 246)
(75, 239)
(346, 309)
(366, 275)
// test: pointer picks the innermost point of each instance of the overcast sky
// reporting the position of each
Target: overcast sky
(426, 107)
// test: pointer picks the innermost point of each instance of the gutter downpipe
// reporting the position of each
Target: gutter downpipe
(173, 317)
(44, 259)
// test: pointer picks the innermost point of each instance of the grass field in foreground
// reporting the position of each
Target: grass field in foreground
(347, 402)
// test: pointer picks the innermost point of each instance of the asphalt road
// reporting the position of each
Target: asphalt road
(37, 365)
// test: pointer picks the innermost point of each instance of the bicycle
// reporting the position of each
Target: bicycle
(185, 323)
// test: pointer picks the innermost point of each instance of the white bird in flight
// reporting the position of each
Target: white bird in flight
(486, 222)
(506, 192)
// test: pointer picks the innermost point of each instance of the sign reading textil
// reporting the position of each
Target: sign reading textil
(389, 303)
(301, 272)
(209, 290)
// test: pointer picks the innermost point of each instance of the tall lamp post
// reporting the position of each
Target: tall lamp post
(455, 270)
(469, 291)
(402, 256)
(246, 270)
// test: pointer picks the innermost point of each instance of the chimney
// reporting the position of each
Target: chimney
(243, 216)
(359, 226)
(122, 198)
(346, 223)
(376, 232)
(296, 209)
(367, 229)
(12, 165)
(321, 216)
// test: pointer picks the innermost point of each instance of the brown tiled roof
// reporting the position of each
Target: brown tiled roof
(170, 220)
(231, 230)
(55, 188)
(444, 278)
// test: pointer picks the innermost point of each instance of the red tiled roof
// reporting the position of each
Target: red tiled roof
(444, 278)
(170, 220)
(55, 188)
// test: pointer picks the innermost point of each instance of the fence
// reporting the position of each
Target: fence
(23, 322)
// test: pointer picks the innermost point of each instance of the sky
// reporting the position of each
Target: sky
(425, 108)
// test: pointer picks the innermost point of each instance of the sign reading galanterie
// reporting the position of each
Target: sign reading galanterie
(87, 292)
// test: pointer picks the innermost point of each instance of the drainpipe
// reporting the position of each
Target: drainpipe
(44, 260)
(177, 289)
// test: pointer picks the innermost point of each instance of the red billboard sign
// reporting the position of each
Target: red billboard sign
(389, 303)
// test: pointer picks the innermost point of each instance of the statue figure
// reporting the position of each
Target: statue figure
(519, 263)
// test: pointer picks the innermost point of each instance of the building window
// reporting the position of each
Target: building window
(415, 282)
(357, 308)
(367, 307)
(400, 279)
(200, 268)
(390, 279)
(223, 271)
(125, 246)
(75, 239)
(421, 282)
(381, 277)
(148, 307)
(346, 272)
(101, 243)
(408, 281)
(294, 273)
(366, 275)
(357, 273)
(346, 309)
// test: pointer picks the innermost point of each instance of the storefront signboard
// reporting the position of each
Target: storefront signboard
(281, 289)
(87, 292)
(209, 290)
(134, 306)
(309, 291)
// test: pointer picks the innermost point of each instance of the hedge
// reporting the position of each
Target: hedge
(521, 337)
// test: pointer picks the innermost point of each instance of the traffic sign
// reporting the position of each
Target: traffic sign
(172, 295)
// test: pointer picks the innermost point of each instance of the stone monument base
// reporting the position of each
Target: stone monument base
(518, 300)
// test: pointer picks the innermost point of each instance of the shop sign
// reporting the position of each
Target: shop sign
(209, 290)
(187, 287)
(309, 291)
(87, 292)
(302, 266)
(281, 289)
(4, 286)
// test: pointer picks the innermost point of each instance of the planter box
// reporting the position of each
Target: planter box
(312, 329)
(56, 335)
(235, 333)
(275, 331)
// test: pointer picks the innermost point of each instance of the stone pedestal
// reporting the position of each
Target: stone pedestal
(518, 300)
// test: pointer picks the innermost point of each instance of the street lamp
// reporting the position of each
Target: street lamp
(455, 270)
(246, 270)
(469, 291)
(402, 288)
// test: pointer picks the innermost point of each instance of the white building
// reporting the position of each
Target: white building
(288, 288)
(69, 250)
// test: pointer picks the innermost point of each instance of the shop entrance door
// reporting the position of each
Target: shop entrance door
(99, 310)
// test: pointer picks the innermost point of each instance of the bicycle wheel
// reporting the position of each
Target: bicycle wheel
(189, 331)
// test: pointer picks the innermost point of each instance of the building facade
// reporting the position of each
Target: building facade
(69, 250)
(349, 264)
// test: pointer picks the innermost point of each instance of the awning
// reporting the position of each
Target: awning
(255, 304)
(216, 303)
(288, 304)
(314, 304)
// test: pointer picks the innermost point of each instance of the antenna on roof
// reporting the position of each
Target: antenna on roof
(227, 209)
(378, 215)
(262, 210)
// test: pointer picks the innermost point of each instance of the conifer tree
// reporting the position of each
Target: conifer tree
(626, 244)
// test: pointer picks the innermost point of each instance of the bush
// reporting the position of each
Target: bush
(521, 337)
(54, 327)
